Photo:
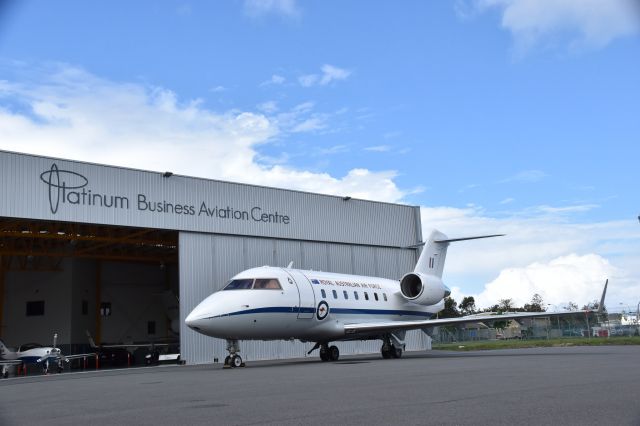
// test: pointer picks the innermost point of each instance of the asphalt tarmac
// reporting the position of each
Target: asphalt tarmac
(543, 386)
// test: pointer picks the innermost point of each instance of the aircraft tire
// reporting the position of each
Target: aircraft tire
(386, 352)
(324, 353)
(5, 375)
(396, 352)
(236, 361)
(334, 353)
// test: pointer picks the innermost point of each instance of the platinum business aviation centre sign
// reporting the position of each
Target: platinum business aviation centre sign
(144, 195)
(46, 188)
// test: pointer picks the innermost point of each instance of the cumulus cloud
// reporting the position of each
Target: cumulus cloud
(329, 74)
(536, 243)
(70, 113)
(580, 23)
(259, 8)
(570, 278)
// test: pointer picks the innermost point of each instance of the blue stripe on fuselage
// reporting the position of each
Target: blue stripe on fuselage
(29, 359)
(348, 311)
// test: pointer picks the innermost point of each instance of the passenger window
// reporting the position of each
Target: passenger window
(346, 295)
(267, 284)
(385, 296)
(239, 284)
(366, 296)
(322, 292)
(375, 295)
(355, 294)
(335, 294)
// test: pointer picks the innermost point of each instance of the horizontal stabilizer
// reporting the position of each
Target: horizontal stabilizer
(468, 238)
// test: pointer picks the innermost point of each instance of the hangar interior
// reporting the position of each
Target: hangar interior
(120, 284)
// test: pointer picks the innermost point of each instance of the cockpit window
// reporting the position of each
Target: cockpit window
(244, 284)
(267, 284)
(28, 346)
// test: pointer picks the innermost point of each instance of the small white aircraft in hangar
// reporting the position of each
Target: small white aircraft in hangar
(271, 303)
(33, 353)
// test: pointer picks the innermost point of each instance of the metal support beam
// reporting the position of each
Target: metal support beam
(98, 331)
(2, 273)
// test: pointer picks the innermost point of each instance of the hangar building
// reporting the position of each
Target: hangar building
(126, 254)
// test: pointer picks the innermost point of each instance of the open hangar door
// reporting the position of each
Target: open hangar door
(120, 284)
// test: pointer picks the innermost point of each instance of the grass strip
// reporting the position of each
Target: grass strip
(535, 343)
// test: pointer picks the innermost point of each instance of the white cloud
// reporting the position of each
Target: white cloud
(581, 23)
(259, 8)
(527, 176)
(536, 243)
(329, 74)
(275, 80)
(569, 278)
(567, 209)
(70, 113)
(309, 125)
(378, 148)
(336, 149)
(268, 107)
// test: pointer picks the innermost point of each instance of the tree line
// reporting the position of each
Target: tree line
(468, 306)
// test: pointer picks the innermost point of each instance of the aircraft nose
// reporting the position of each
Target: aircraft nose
(193, 320)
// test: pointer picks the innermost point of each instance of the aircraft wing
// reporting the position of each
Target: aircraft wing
(388, 326)
(76, 356)
(10, 362)
(138, 345)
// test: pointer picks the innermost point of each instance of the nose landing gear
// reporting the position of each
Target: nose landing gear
(233, 360)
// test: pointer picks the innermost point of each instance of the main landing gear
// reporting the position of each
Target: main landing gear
(233, 360)
(327, 353)
(390, 351)
(392, 346)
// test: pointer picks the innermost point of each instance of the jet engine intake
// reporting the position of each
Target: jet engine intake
(423, 289)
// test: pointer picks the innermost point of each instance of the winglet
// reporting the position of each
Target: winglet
(604, 293)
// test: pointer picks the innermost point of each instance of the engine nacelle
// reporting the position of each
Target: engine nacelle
(423, 289)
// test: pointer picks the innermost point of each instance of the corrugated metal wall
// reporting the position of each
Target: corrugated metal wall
(208, 261)
(32, 187)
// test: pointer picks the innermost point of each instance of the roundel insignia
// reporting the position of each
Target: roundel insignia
(323, 310)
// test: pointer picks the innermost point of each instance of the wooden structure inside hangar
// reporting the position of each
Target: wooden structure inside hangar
(120, 284)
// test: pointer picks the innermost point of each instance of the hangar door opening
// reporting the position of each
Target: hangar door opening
(120, 284)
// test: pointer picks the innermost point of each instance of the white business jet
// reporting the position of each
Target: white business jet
(270, 303)
(34, 353)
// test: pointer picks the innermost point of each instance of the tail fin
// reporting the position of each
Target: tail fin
(4, 350)
(604, 293)
(434, 253)
(91, 342)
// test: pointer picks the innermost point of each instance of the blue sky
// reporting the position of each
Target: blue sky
(514, 115)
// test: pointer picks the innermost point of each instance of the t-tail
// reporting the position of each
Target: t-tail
(5, 352)
(424, 285)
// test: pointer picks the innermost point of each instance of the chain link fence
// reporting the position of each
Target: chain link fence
(592, 325)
